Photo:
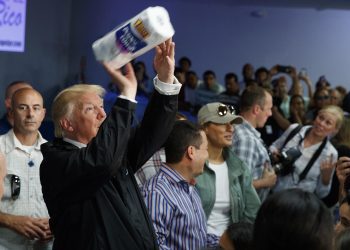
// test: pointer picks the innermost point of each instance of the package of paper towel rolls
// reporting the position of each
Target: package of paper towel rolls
(134, 37)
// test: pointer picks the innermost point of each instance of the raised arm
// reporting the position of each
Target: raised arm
(280, 119)
(308, 82)
(164, 61)
(164, 65)
(126, 83)
(160, 113)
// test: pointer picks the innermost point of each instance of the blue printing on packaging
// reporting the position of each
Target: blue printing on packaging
(128, 41)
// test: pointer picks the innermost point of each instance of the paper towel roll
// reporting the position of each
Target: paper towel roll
(134, 37)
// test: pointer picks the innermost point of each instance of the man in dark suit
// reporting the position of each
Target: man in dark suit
(87, 173)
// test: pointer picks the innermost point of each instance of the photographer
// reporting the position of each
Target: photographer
(313, 168)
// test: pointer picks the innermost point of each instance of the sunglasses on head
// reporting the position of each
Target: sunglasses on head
(224, 109)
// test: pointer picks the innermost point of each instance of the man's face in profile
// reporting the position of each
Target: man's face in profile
(87, 117)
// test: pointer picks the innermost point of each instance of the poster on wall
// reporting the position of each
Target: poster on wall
(12, 25)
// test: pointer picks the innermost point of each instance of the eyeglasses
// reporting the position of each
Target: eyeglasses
(15, 186)
(322, 97)
(223, 109)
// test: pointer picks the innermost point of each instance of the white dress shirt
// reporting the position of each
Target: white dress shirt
(24, 162)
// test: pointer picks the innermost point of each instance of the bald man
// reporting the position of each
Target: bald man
(23, 213)
(6, 122)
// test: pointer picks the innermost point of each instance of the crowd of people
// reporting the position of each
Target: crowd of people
(262, 167)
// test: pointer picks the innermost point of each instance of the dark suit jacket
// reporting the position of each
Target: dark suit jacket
(91, 193)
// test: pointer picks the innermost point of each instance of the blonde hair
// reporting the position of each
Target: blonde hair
(337, 112)
(67, 100)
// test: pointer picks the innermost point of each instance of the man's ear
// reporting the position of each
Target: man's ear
(190, 152)
(256, 109)
(8, 103)
(66, 125)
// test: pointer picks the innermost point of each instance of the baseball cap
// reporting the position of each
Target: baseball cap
(218, 113)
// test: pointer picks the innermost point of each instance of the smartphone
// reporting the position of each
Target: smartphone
(284, 69)
(303, 72)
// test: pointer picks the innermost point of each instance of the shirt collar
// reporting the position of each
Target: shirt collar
(175, 177)
(248, 126)
(12, 142)
(74, 142)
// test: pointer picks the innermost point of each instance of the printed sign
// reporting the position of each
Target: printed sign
(12, 25)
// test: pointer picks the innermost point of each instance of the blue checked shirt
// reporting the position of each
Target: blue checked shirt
(176, 211)
(250, 148)
(150, 168)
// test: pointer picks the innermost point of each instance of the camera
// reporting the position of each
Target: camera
(284, 165)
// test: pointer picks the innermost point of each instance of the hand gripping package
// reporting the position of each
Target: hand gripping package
(134, 37)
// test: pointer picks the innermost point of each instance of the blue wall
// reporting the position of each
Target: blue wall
(214, 36)
(223, 38)
(45, 60)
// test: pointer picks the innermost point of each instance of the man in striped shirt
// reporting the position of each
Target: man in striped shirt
(173, 202)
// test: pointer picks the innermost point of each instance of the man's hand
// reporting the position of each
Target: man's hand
(293, 72)
(269, 176)
(48, 234)
(126, 83)
(164, 61)
(32, 228)
(306, 79)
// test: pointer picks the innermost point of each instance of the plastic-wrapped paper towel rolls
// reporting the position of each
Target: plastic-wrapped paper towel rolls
(134, 37)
